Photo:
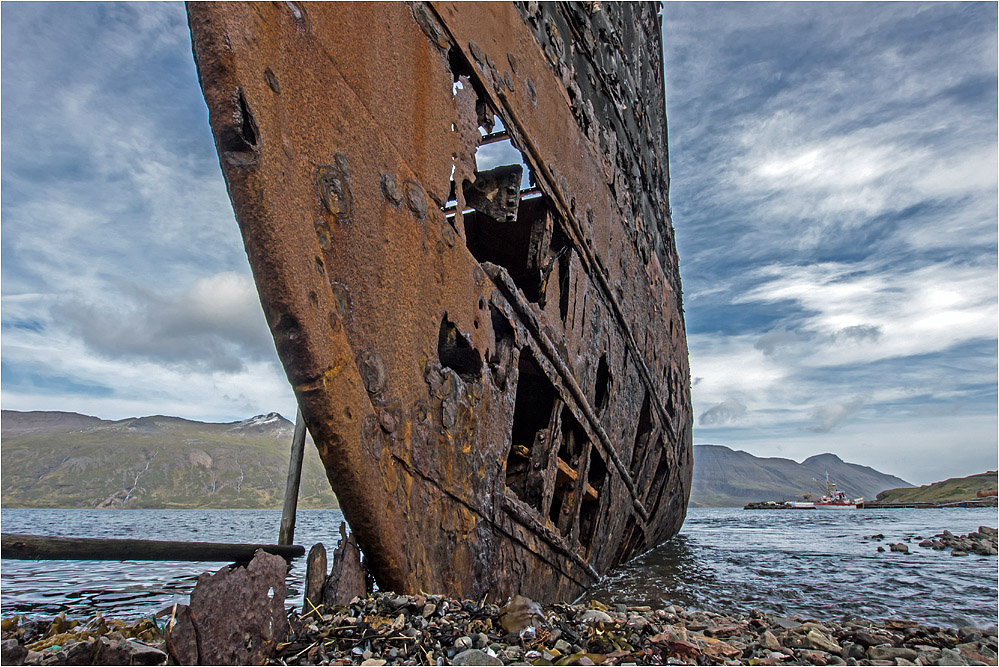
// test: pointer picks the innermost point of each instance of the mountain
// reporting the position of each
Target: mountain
(725, 477)
(947, 491)
(65, 459)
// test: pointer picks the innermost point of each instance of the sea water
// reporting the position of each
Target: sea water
(810, 563)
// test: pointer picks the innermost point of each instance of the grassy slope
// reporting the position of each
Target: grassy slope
(179, 464)
(950, 490)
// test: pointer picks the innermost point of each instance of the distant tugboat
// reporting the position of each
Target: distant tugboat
(835, 499)
(832, 500)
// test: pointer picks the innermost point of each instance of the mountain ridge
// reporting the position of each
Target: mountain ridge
(70, 460)
(725, 477)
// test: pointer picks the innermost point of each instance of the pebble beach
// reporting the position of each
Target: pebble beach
(390, 629)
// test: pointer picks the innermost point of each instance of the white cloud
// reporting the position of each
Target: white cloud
(811, 184)
(727, 412)
(136, 386)
(216, 323)
(830, 415)
(124, 277)
(919, 311)
(774, 339)
(828, 362)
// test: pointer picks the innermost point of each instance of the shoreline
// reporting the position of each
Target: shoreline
(385, 628)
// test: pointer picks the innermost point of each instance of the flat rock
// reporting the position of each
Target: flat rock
(144, 654)
(951, 657)
(12, 653)
(823, 643)
(769, 641)
(520, 613)
(891, 653)
(595, 616)
(786, 622)
(475, 657)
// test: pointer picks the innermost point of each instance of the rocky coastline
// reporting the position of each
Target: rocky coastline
(238, 616)
(984, 542)
(389, 629)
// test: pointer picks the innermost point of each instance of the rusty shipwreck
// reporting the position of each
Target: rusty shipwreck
(492, 362)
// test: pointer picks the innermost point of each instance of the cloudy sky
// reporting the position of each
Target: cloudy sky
(834, 190)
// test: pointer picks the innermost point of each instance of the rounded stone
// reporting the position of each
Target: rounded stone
(474, 657)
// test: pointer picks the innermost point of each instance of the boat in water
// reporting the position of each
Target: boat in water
(491, 357)
(833, 499)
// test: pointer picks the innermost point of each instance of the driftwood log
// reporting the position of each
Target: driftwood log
(43, 547)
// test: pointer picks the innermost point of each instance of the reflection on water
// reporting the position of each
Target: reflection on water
(669, 574)
(814, 564)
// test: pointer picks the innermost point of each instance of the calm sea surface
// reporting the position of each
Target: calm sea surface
(808, 563)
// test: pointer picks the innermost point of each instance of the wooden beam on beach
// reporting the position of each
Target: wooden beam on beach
(44, 547)
(286, 534)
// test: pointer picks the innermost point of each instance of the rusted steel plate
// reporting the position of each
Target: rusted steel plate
(236, 616)
(496, 379)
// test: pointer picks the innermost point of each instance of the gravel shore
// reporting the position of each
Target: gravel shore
(389, 629)
(425, 629)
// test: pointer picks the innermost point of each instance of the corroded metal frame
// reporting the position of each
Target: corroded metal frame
(496, 380)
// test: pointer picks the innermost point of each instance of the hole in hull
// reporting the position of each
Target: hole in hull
(590, 508)
(456, 353)
(530, 432)
(629, 540)
(602, 387)
(562, 253)
(566, 479)
(521, 246)
(504, 335)
(642, 433)
(658, 479)
(242, 135)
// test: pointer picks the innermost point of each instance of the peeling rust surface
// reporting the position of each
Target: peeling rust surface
(346, 579)
(236, 616)
(495, 375)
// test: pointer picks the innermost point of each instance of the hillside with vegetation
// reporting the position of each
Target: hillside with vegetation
(725, 477)
(68, 460)
(950, 490)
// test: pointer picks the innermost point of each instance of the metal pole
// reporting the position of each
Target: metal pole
(287, 534)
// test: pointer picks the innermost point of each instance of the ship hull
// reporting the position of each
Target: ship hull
(497, 384)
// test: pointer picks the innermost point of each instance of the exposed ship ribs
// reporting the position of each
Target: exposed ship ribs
(492, 362)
